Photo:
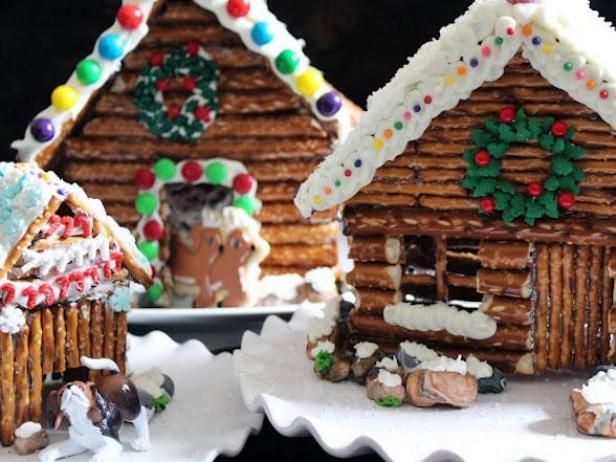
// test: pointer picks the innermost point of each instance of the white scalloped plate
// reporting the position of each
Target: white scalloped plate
(207, 416)
(531, 421)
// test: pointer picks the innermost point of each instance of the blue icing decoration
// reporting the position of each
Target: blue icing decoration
(20, 203)
(121, 299)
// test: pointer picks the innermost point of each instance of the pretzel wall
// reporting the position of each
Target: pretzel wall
(53, 341)
(261, 123)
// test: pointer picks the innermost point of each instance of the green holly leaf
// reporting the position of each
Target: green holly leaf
(523, 135)
(492, 170)
(518, 206)
(508, 216)
(534, 125)
(481, 138)
(568, 183)
(559, 146)
(578, 175)
(561, 166)
(521, 115)
(550, 204)
(498, 150)
(485, 187)
(551, 184)
(505, 186)
(506, 133)
(469, 156)
(570, 134)
(574, 152)
(501, 200)
(546, 141)
(491, 125)
(546, 124)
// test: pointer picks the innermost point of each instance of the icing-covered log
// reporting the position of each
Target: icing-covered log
(515, 338)
(506, 310)
(385, 249)
(505, 255)
(234, 148)
(72, 339)
(223, 56)
(300, 234)
(282, 255)
(375, 275)
(35, 367)
(509, 283)
(22, 379)
(7, 391)
(374, 301)
(60, 340)
(593, 419)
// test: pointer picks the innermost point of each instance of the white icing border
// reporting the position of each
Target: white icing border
(430, 84)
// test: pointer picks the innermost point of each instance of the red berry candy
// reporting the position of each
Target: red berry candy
(507, 114)
(157, 58)
(487, 204)
(238, 8)
(189, 83)
(192, 170)
(144, 178)
(482, 158)
(192, 48)
(566, 200)
(202, 113)
(153, 230)
(173, 112)
(535, 189)
(242, 183)
(162, 84)
(559, 128)
(130, 17)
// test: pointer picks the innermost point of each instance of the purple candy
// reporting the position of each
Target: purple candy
(329, 104)
(42, 130)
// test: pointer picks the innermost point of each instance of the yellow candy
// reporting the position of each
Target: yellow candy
(378, 144)
(317, 200)
(548, 49)
(450, 80)
(309, 82)
(64, 97)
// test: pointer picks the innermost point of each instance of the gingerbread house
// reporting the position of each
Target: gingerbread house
(479, 191)
(65, 269)
(200, 80)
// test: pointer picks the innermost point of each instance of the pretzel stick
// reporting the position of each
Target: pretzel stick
(607, 301)
(505, 310)
(22, 385)
(541, 324)
(84, 328)
(97, 319)
(505, 255)
(375, 275)
(121, 333)
(383, 249)
(579, 318)
(503, 282)
(109, 334)
(594, 306)
(8, 390)
(36, 369)
(72, 342)
(441, 269)
(556, 294)
(60, 338)
(373, 301)
(49, 346)
(566, 351)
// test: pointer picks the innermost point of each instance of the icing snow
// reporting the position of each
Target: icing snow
(444, 364)
(322, 327)
(327, 347)
(418, 351)
(28, 429)
(390, 364)
(12, 320)
(601, 389)
(477, 368)
(364, 350)
(388, 379)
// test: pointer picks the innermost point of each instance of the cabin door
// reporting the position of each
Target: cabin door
(573, 299)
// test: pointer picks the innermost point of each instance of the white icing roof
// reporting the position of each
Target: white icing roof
(25, 195)
(565, 40)
(29, 148)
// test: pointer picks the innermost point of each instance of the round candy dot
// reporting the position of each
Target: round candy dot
(146, 203)
(486, 51)
(388, 134)
(407, 116)
(337, 183)
(216, 173)
(162, 84)
(173, 112)
(537, 40)
(499, 41)
(42, 130)
(130, 17)
(243, 183)
(507, 114)
(580, 75)
(192, 47)
(511, 30)
(358, 163)
(191, 170)
(566, 200)
(461, 70)
(487, 204)
(157, 58)
(88, 71)
(153, 230)
(417, 108)
(111, 47)
(64, 97)
(568, 66)
(527, 30)
(535, 189)
(317, 199)
(378, 144)
(262, 33)
(450, 80)
(202, 113)
(189, 83)
(287, 61)
(164, 169)
(309, 81)
(428, 99)
(548, 49)
(398, 126)
(155, 291)
(238, 8)
(482, 158)
(328, 191)
(474, 62)
(348, 173)
(591, 84)
(247, 203)
(559, 128)
(604, 94)
(144, 178)
(329, 104)
(149, 249)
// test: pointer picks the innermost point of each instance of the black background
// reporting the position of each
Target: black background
(359, 44)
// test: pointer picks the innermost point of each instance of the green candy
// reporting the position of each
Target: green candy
(164, 169)
(146, 203)
(246, 203)
(287, 61)
(398, 126)
(216, 173)
(155, 291)
(149, 249)
(88, 71)
(499, 40)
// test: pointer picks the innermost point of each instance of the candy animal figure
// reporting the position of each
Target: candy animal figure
(95, 412)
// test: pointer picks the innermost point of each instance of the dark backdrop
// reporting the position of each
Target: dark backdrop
(359, 44)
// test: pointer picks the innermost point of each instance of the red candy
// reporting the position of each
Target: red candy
(189, 83)
(157, 58)
(84, 222)
(191, 171)
(54, 224)
(92, 273)
(8, 293)
(118, 259)
(243, 183)
(106, 269)
(64, 284)
(47, 291)
(507, 114)
(202, 113)
(535, 189)
(79, 279)
(559, 128)
(566, 200)
(69, 225)
(487, 204)
(153, 230)
(162, 84)
(173, 112)
(238, 8)
(130, 17)
(144, 178)
(32, 294)
(482, 158)
(192, 48)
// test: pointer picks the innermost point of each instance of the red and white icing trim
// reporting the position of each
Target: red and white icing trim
(66, 226)
(566, 41)
(70, 286)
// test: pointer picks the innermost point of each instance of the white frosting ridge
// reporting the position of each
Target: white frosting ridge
(439, 317)
(477, 368)
(601, 389)
(419, 351)
(567, 31)
(364, 350)
(327, 347)
(12, 320)
(324, 326)
(388, 379)
(444, 364)
(390, 364)
(322, 280)
(28, 429)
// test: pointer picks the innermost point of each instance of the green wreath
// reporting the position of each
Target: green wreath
(541, 199)
(198, 74)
